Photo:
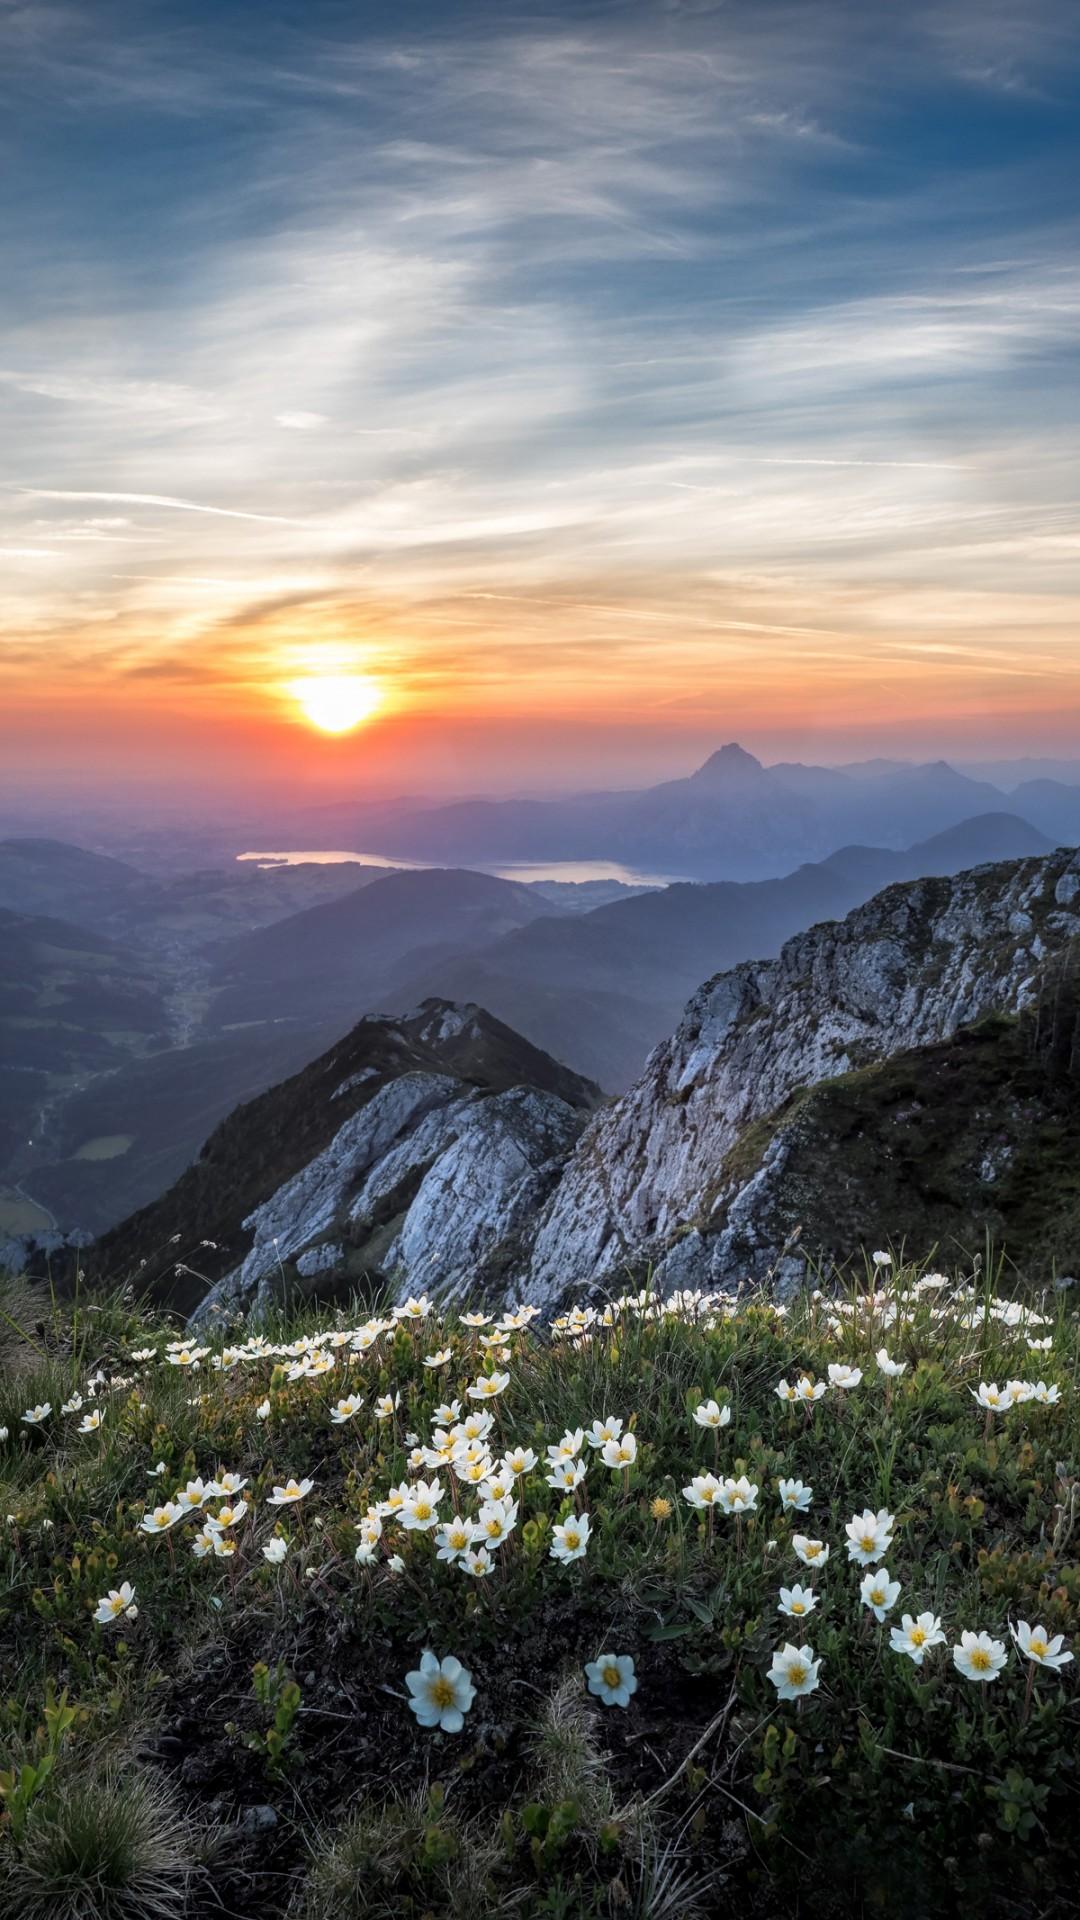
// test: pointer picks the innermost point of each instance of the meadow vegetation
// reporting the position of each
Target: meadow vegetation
(694, 1576)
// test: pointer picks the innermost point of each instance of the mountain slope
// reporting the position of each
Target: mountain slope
(937, 1147)
(432, 1139)
(71, 1004)
(67, 883)
(905, 970)
(344, 955)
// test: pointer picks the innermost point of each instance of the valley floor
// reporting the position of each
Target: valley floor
(701, 1577)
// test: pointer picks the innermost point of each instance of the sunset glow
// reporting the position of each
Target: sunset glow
(595, 371)
(337, 703)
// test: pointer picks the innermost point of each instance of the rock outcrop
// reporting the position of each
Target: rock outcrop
(645, 1183)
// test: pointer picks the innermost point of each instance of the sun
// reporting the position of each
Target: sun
(337, 702)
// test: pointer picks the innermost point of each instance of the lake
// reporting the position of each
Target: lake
(575, 872)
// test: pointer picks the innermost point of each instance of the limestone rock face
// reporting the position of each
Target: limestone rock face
(911, 966)
(427, 1183)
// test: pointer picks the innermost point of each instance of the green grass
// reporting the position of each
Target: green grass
(900, 1789)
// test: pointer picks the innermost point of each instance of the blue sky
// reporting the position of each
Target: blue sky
(677, 368)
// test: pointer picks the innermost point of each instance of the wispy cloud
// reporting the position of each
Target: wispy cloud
(663, 326)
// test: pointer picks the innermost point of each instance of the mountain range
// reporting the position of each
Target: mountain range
(732, 819)
(225, 981)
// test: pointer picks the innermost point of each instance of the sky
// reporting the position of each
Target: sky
(587, 383)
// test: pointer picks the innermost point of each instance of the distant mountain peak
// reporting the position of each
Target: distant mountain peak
(729, 762)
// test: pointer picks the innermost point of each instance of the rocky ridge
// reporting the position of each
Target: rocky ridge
(909, 968)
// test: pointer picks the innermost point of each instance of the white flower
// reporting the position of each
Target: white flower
(795, 1497)
(413, 1309)
(454, 1537)
(794, 1671)
(476, 1319)
(487, 1386)
(447, 1413)
(155, 1473)
(193, 1495)
(978, 1657)
(118, 1603)
(477, 1562)
(882, 1259)
(1046, 1396)
(990, 1396)
(442, 1692)
(35, 1415)
(788, 1393)
(892, 1368)
(496, 1521)
(878, 1592)
(518, 1461)
(869, 1536)
(439, 1359)
(420, 1511)
(90, 1422)
(226, 1485)
(226, 1517)
(808, 1390)
(843, 1376)
(275, 1550)
(396, 1564)
(709, 1414)
(1036, 1645)
(738, 1496)
(705, 1490)
(612, 1678)
(72, 1405)
(568, 1447)
(812, 1553)
(3, 1434)
(796, 1601)
(602, 1431)
(566, 1475)
(618, 1454)
(387, 1405)
(915, 1637)
(162, 1518)
(1041, 1346)
(262, 1411)
(571, 1539)
(346, 1409)
(292, 1490)
(1018, 1391)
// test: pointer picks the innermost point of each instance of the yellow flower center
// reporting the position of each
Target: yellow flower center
(422, 1510)
(811, 1550)
(918, 1636)
(442, 1691)
(868, 1543)
(877, 1596)
(798, 1606)
(1037, 1647)
(796, 1675)
(980, 1660)
(611, 1677)
(573, 1540)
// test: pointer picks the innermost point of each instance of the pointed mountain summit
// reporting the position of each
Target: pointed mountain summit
(728, 766)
